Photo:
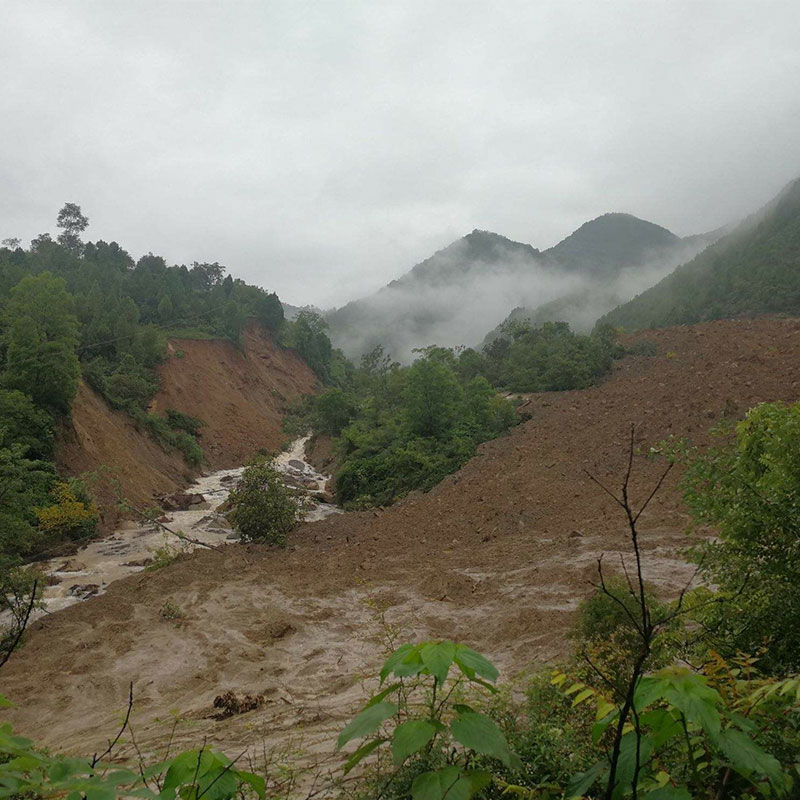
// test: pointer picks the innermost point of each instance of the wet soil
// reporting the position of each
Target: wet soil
(498, 555)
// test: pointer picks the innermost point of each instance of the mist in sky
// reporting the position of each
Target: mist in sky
(322, 149)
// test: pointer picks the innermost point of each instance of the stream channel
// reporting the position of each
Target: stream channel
(132, 545)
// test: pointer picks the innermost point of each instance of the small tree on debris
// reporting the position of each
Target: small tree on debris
(262, 508)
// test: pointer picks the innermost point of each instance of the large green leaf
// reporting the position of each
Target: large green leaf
(746, 757)
(668, 793)
(663, 723)
(255, 782)
(395, 658)
(581, 783)
(648, 690)
(690, 694)
(437, 658)
(362, 753)
(410, 737)
(472, 663)
(481, 734)
(367, 722)
(450, 783)
(626, 765)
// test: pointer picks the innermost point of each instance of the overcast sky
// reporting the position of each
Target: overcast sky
(322, 149)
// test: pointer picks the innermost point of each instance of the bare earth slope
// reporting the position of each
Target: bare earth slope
(238, 393)
(497, 555)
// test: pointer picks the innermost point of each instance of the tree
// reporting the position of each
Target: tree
(24, 424)
(310, 339)
(233, 321)
(262, 508)
(73, 223)
(165, 309)
(431, 398)
(12, 242)
(334, 411)
(269, 311)
(42, 337)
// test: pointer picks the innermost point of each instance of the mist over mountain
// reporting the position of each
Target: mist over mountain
(754, 269)
(462, 291)
(610, 282)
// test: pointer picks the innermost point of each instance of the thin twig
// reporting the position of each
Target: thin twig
(113, 744)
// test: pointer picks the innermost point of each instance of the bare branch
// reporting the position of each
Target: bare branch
(22, 626)
(113, 744)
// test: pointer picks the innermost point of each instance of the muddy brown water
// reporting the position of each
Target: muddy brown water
(125, 552)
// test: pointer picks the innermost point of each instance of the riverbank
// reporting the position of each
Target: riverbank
(133, 547)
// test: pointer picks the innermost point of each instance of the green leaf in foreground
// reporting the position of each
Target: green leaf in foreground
(481, 734)
(362, 753)
(449, 783)
(410, 737)
(367, 722)
(472, 664)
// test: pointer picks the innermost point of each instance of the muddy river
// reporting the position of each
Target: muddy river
(133, 546)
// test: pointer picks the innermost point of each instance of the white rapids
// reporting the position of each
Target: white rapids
(132, 545)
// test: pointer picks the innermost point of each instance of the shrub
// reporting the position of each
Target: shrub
(607, 635)
(433, 735)
(161, 430)
(184, 422)
(68, 518)
(642, 347)
(262, 508)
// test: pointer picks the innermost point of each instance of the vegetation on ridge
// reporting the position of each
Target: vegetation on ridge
(754, 269)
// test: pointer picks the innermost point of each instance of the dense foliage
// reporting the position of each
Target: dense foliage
(66, 300)
(752, 270)
(549, 357)
(262, 509)
(748, 490)
(402, 428)
(399, 428)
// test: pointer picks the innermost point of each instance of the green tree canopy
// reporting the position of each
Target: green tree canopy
(42, 336)
(431, 398)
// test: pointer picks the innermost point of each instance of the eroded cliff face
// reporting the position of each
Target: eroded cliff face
(240, 394)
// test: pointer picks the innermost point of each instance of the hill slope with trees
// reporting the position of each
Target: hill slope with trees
(754, 269)
(85, 320)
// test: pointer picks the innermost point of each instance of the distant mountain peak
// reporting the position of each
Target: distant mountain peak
(610, 242)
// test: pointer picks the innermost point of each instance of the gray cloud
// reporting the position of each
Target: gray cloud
(322, 149)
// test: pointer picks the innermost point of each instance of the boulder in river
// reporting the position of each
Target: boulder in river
(84, 590)
(180, 501)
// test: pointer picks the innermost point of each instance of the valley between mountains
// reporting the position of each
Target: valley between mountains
(498, 556)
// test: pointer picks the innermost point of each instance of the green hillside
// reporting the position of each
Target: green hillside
(755, 269)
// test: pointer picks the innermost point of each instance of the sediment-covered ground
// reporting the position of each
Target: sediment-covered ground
(498, 556)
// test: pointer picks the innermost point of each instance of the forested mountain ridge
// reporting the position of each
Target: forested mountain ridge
(468, 287)
(754, 269)
(610, 242)
(479, 250)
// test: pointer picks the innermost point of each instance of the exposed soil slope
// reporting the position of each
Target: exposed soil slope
(497, 555)
(239, 393)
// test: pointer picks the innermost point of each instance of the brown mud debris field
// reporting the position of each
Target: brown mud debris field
(497, 556)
